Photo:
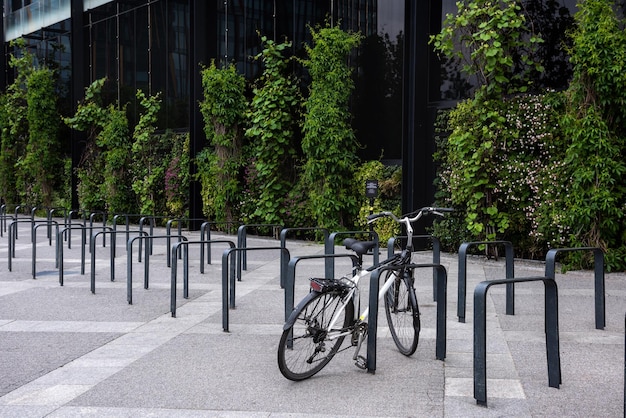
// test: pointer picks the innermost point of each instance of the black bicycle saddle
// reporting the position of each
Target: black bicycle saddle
(359, 247)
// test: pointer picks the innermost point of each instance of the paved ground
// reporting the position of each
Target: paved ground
(66, 352)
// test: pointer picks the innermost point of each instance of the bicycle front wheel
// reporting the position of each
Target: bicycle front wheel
(309, 344)
(402, 312)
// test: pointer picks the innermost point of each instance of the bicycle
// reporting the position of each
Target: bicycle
(318, 325)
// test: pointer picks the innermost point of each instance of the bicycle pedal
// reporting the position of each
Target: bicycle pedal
(361, 363)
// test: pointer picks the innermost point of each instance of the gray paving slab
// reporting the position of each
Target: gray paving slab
(26, 356)
(65, 352)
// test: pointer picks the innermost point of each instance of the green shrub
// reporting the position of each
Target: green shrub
(42, 163)
(149, 164)
(177, 175)
(272, 117)
(525, 176)
(595, 122)
(104, 176)
(329, 144)
(494, 41)
(219, 166)
(15, 127)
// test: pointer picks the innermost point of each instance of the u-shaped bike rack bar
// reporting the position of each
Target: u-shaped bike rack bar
(228, 286)
(480, 333)
(92, 246)
(12, 236)
(185, 256)
(205, 235)
(462, 284)
(372, 325)
(179, 227)
(83, 229)
(283, 243)
(127, 218)
(143, 235)
(48, 224)
(242, 236)
(598, 257)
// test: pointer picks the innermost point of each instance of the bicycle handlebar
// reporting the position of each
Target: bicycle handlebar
(410, 217)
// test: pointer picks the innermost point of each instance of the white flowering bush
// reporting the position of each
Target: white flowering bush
(530, 163)
(522, 177)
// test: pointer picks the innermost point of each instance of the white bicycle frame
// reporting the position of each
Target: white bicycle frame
(363, 317)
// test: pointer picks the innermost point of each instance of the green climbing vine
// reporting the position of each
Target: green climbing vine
(272, 123)
(219, 165)
(488, 37)
(147, 151)
(595, 121)
(105, 181)
(40, 167)
(329, 144)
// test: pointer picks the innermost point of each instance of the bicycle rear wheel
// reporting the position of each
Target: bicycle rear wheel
(402, 313)
(308, 345)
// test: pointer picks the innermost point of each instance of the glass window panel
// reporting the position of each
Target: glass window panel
(170, 61)
(103, 52)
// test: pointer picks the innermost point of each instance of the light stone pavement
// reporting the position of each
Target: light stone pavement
(65, 352)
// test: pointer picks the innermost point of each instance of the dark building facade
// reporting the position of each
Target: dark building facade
(159, 45)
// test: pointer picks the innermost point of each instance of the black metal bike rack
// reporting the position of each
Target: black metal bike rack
(48, 224)
(462, 284)
(283, 243)
(242, 242)
(185, 256)
(83, 229)
(28, 211)
(143, 235)
(151, 219)
(92, 247)
(80, 214)
(205, 235)
(16, 215)
(12, 236)
(372, 325)
(480, 332)
(127, 223)
(436, 243)
(598, 256)
(228, 286)
(50, 214)
(3, 219)
(179, 227)
(104, 215)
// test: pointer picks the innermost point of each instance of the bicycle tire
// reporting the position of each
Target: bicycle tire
(402, 313)
(304, 348)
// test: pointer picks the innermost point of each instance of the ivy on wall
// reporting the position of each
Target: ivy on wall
(30, 149)
(488, 37)
(219, 165)
(272, 117)
(595, 122)
(329, 143)
(148, 168)
(541, 170)
(40, 167)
